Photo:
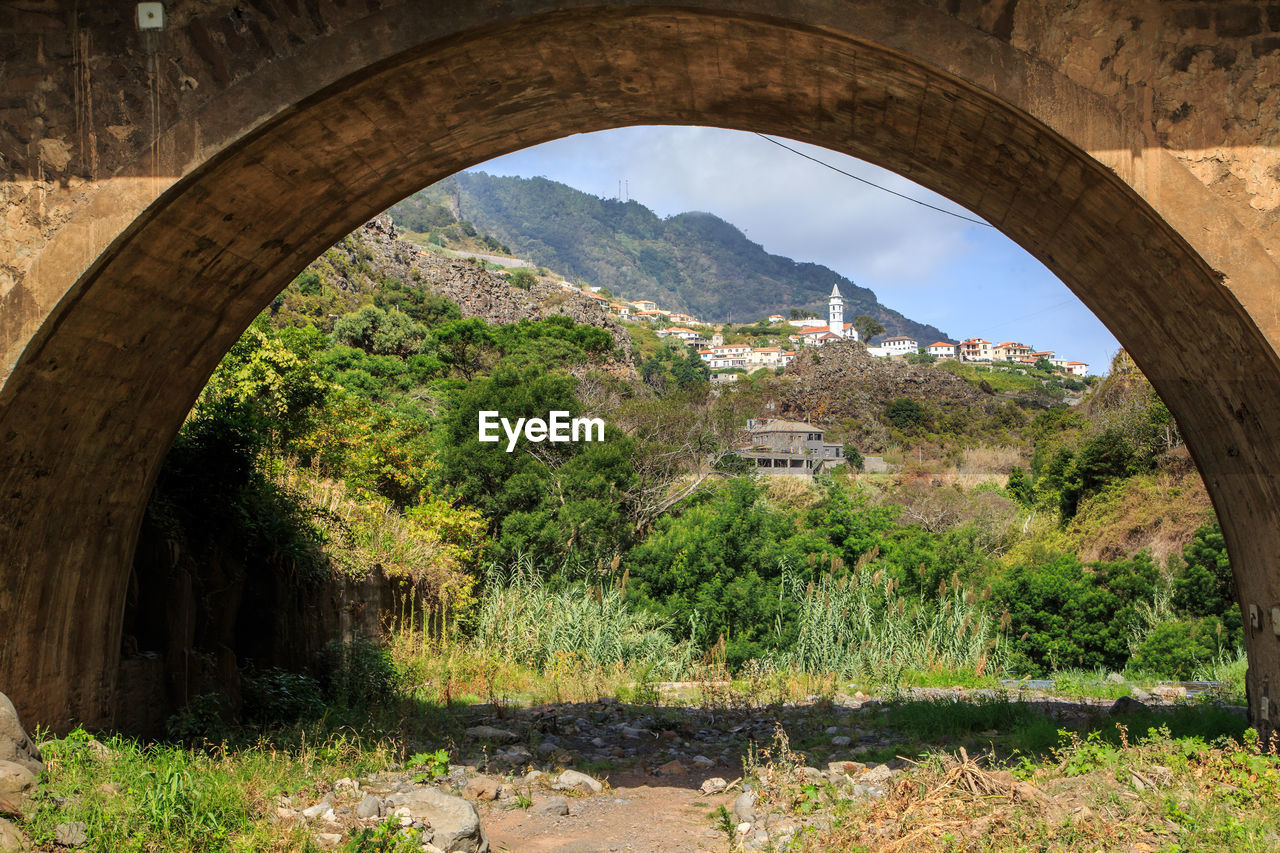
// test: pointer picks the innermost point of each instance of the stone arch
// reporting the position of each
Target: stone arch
(122, 308)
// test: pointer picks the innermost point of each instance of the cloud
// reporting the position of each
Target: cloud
(790, 205)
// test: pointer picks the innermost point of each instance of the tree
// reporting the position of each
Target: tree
(461, 342)
(1044, 364)
(868, 327)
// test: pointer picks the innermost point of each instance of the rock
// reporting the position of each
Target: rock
(841, 740)
(329, 839)
(111, 789)
(518, 753)
(73, 834)
(15, 746)
(482, 788)
(1028, 792)
(812, 774)
(455, 821)
(551, 807)
(1160, 775)
(744, 807)
(533, 776)
(1126, 705)
(877, 775)
(370, 807)
(714, 785)
(347, 784)
(489, 733)
(846, 768)
(1115, 678)
(1169, 692)
(672, 768)
(579, 781)
(703, 761)
(11, 840)
(319, 810)
(16, 780)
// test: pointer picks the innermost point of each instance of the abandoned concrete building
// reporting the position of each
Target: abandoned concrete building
(789, 447)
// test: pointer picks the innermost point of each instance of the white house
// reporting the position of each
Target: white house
(899, 345)
(1076, 368)
(776, 318)
(941, 349)
(678, 332)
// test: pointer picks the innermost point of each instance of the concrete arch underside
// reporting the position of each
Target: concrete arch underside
(122, 308)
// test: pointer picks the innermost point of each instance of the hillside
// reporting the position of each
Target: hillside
(692, 262)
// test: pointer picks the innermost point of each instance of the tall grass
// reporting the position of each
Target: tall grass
(860, 627)
(522, 619)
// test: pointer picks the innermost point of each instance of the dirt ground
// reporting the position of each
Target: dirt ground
(639, 814)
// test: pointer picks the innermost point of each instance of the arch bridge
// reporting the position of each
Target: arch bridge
(167, 168)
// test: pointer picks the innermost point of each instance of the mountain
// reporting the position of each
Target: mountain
(692, 262)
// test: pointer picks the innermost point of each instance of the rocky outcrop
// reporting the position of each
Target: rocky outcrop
(840, 383)
(374, 252)
(15, 746)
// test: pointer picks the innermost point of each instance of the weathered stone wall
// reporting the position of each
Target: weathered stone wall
(161, 188)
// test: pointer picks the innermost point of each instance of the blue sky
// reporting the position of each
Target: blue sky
(968, 280)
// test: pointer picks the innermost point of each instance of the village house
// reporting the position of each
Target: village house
(620, 309)
(678, 332)
(643, 305)
(1076, 368)
(899, 345)
(776, 318)
(975, 349)
(941, 349)
(788, 448)
(1010, 351)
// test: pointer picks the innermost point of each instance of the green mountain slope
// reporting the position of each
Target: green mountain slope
(692, 262)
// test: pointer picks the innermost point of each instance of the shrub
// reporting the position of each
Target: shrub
(1178, 649)
(278, 696)
(357, 674)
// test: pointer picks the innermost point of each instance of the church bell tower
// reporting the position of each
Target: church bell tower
(835, 311)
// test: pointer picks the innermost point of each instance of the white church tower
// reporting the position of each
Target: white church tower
(835, 312)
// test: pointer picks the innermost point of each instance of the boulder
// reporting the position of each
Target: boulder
(16, 780)
(552, 807)
(579, 781)
(11, 840)
(370, 807)
(71, 834)
(481, 788)
(714, 785)
(491, 734)
(744, 807)
(1127, 705)
(15, 745)
(455, 823)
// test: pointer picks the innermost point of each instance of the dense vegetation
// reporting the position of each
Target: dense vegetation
(952, 564)
(693, 262)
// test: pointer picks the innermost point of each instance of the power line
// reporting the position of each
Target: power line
(873, 184)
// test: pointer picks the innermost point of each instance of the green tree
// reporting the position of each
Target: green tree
(868, 327)
(460, 344)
